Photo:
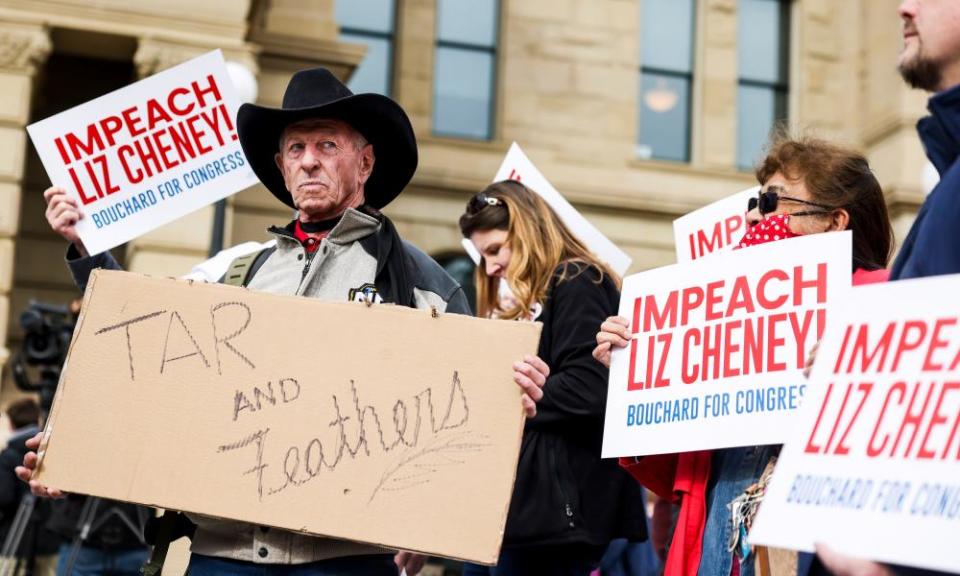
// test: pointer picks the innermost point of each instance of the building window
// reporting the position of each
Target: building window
(464, 68)
(373, 23)
(666, 77)
(763, 56)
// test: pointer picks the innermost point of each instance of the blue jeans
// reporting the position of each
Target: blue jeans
(372, 565)
(541, 561)
(733, 471)
(96, 562)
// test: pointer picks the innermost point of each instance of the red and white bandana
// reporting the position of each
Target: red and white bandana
(768, 230)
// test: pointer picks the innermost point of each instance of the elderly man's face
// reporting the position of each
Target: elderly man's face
(930, 58)
(325, 164)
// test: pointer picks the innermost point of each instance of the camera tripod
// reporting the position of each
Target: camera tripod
(88, 523)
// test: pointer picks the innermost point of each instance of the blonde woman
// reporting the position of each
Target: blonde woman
(567, 503)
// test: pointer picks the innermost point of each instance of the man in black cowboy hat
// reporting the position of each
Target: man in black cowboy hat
(337, 158)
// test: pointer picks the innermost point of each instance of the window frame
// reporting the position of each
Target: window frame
(779, 88)
(494, 53)
(673, 74)
(390, 37)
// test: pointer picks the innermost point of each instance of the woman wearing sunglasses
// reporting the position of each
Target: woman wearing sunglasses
(567, 503)
(809, 186)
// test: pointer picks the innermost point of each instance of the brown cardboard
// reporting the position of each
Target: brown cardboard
(151, 409)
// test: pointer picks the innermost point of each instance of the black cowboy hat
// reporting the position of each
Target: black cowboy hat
(316, 93)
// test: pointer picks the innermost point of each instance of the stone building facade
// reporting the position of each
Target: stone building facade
(564, 85)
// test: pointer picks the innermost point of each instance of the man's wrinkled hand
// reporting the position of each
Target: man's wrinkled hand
(24, 472)
(62, 216)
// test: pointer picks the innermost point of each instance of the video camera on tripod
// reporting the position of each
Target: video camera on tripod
(47, 330)
(90, 522)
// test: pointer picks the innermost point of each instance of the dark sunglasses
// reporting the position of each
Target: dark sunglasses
(767, 203)
(480, 201)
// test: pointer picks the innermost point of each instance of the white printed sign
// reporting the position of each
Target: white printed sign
(147, 154)
(714, 228)
(719, 345)
(872, 466)
(516, 166)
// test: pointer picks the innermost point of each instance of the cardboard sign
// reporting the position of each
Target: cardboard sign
(719, 346)
(716, 227)
(378, 424)
(872, 467)
(144, 155)
(516, 166)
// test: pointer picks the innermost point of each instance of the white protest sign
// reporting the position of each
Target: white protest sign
(715, 227)
(719, 346)
(147, 154)
(872, 466)
(516, 166)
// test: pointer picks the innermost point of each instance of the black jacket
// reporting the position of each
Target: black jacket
(932, 246)
(564, 492)
(36, 539)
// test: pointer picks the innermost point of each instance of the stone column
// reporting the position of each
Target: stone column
(715, 108)
(23, 49)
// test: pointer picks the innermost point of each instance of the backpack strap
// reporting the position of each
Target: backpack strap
(243, 268)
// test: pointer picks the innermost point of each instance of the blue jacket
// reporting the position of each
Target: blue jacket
(933, 245)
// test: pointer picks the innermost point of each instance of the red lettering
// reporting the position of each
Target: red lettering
(110, 126)
(182, 142)
(711, 351)
(937, 343)
(80, 148)
(872, 451)
(912, 420)
(63, 151)
(197, 135)
(632, 383)
(201, 93)
(916, 326)
(214, 125)
(689, 377)
(762, 298)
(660, 318)
(172, 102)
(865, 388)
(936, 419)
(773, 343)
(162, 149)
(865, 361)
(102, 182)
(836, 423)
(156, 114)
(753, 346)
(133, 121)
(148, 156)
(124, 152)
(715, 242)
(714, 300)
(76, 183)
(800, 336)
(732, 224)
(820, 283)
(812, 448)
(843, 349)
(692, 299)
(740, 297)
(729, 370)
